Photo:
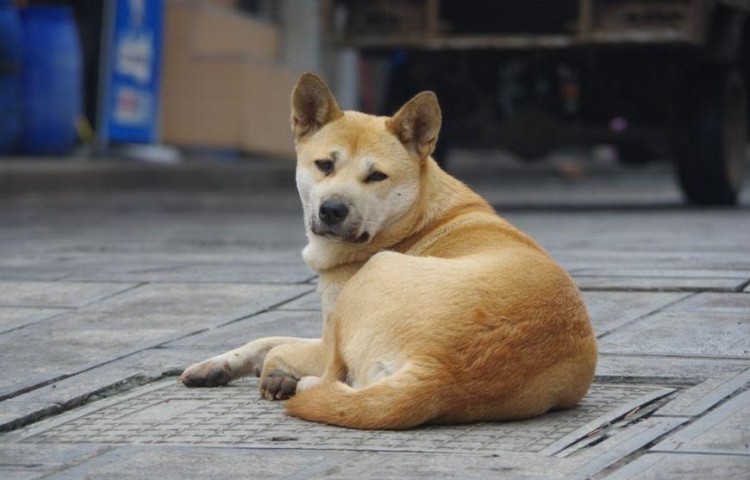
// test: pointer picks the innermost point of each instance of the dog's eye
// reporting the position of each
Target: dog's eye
(376, 177)
(325, 166)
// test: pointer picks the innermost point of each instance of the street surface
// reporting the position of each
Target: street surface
(107, 294)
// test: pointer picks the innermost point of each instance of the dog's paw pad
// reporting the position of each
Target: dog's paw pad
(278, 385)
(207, 374)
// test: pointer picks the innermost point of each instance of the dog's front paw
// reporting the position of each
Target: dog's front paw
(277, 385)
(208, 373)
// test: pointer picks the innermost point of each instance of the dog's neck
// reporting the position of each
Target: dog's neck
(440, 199)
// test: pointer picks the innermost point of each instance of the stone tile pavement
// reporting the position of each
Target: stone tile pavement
(105, 297)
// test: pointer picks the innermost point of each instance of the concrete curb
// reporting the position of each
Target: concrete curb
(31, 175)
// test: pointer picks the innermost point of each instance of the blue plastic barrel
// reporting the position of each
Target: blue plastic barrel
(10, 77)
(52, 80)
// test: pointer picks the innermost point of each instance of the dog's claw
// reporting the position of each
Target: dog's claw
(278, 385)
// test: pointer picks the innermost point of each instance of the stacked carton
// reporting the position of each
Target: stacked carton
(223, 86)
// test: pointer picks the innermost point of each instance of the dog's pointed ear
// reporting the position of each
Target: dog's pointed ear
(417, 124)
(313, 105)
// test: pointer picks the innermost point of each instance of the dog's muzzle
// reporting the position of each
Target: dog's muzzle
(331, 223)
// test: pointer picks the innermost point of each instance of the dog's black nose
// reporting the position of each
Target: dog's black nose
(333, 212)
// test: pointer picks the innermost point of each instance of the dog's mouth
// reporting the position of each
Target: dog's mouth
(364, 238)
(346, 236)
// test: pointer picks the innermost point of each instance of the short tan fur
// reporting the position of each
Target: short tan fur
(435, 309)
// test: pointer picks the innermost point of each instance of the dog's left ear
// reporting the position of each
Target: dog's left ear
(417, 124)
(313, 105)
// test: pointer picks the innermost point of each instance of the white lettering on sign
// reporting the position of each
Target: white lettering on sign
(134, 53)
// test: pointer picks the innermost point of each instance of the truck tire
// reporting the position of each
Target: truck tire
(711, 160)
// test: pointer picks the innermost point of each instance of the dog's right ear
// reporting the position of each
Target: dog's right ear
(313, 105)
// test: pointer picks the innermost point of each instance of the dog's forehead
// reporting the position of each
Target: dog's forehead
(360, 137)
(357, 142)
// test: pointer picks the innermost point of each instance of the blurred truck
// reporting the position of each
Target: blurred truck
(652, 77)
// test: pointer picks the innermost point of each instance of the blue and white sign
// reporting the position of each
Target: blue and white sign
(131, 72)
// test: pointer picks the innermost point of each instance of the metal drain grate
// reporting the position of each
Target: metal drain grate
(167, 413)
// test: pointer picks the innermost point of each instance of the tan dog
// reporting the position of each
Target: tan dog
(435, 309)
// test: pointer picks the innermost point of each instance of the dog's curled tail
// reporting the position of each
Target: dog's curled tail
(394, 403)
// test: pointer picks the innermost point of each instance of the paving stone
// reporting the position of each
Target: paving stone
(425, 465)
(591, 460)
(15, 317)
(714, 304)
(696, 400)
(675, 231)
(132, 418)
(656, 367)
(236, 272)
(305, 324)
(158, 254)
(92, 252)
(667, 466)
(121, 325)
(725, 430)
(154, 362)
(663, 272)
(311, 301)
(687, 334)
(111, 377)
(147, 262)
(24, 461)
(216, 303)
(28, 272)
(610, 310)
(68, 347)
(606, 257)
(56, 294)
(12, 412)
(661, 284)
(167, 462)
(70, 266)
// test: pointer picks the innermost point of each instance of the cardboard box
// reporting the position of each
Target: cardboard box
(222, 3)
(220, 31)
(222, 86)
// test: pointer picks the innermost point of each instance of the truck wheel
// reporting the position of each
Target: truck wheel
(711, 161)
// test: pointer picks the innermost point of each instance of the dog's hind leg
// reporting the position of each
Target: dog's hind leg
(240, 362)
